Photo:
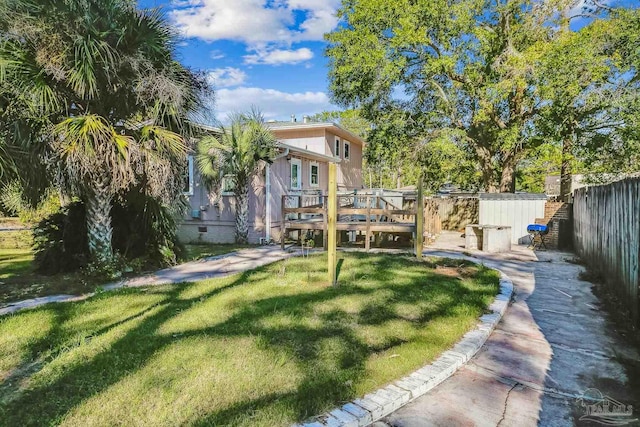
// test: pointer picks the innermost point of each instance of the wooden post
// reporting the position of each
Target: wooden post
(419, 220)
(325, 233)
(283, 230)
(367, 238)
(332, 214)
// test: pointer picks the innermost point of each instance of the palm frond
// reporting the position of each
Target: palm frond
(165, 142)
(83, 134)
(210, 159)
(238, 151)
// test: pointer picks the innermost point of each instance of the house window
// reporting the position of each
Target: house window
(187, 189)
(296, 174)
(314, 174)
(228, 185)
(347, 150)
(337, 148)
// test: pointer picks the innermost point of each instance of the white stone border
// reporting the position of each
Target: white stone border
(377, 405)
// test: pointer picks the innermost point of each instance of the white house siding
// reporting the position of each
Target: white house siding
(306, 139)
(220, 222)
(219, 218)
(281, 185)
(349, 173)
(514, 210)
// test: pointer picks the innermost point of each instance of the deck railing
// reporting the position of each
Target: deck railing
(368, 213)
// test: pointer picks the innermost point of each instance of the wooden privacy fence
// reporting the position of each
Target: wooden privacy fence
(606, 221)
(456, 212)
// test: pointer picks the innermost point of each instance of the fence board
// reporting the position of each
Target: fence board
(606, 221)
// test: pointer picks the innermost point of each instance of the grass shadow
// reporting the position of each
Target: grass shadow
(338, 268)
(330, 338)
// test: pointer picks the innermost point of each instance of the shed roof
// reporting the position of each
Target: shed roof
(513, 196)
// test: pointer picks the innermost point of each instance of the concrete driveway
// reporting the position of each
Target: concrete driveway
(553, 345)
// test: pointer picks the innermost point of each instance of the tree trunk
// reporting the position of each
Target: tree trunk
(99, 228)
(508, 178)
(242, 215)
(488, 174)
(565, 169)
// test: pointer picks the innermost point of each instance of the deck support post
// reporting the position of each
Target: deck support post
(367, 238)
(419, 240)
(325, 233)
(332, 213)
(283, 230)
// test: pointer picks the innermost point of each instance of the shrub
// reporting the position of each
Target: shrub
(144, 228)
(144, 236)
(14, 202)
(60, 241)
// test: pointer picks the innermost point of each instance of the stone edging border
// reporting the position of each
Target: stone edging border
(382, 402)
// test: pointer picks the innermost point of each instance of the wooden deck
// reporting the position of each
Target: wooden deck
(391, 227)
(363, 213)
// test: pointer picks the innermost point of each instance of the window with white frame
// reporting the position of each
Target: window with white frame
(314, 174)
(228, 185)
(337, 148)
(187, 189)
(347, 150)
(296, 174)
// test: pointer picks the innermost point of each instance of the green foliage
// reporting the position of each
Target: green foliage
(239, 153)
(97, 84)
(351, 120)
(587, 86)
(443, 161)
(60, 241)
(145, 229)
(14, 202)
(497, 79)
(144, 237)
(543, 161)
(462, 68)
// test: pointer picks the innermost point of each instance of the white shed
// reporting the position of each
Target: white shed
(515, 210)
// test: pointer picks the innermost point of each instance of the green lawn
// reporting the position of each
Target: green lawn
(264, 348)
(19, 281)
(206, 250)
(15, 262)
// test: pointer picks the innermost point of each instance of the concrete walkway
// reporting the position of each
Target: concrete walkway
(219, 266)
(553, 344)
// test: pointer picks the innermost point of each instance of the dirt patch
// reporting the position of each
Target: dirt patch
(463, 271)
(447, 271)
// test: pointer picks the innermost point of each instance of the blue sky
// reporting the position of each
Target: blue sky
(268, 53)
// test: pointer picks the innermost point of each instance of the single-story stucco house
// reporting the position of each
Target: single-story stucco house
(305, 150)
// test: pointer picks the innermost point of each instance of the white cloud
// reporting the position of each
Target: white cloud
(273, 104)
(256, 22)
(226, 77)
(279, 56)
(216, 54)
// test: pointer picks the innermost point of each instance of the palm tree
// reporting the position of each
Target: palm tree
(111, 102)
(238, 154)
